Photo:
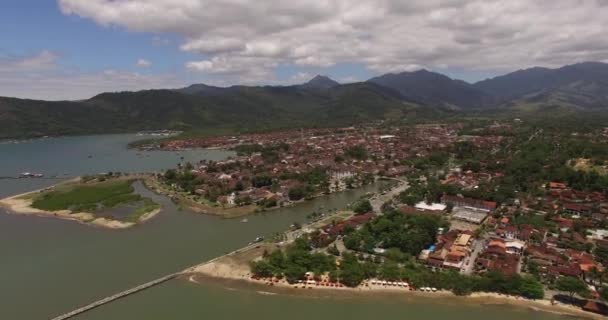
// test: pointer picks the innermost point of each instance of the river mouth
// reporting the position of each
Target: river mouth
(50, 266)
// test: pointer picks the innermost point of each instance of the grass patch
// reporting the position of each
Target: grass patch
(147, 206)
(87, 198)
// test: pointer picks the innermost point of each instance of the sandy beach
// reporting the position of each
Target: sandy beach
(22, 204)
(235, 267)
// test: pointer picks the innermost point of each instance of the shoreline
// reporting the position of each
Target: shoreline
(232, 212)
(21, 204)
(232, 269)
(440, 297)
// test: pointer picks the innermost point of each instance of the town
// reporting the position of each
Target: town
(497, 207)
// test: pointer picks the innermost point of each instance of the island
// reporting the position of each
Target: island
(108, 200)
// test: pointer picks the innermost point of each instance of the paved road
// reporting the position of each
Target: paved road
(477, 248)
(379, 199)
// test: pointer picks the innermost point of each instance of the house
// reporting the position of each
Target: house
(354, 222)
(515, 247)
(451, 250)
(457, 201)
(422, 205)
(576, 209)
(557, 186)
(508, 232)
(499, 255)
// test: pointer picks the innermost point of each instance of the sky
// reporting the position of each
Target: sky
(75, 49)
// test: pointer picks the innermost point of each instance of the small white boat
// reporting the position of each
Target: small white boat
(244, 220)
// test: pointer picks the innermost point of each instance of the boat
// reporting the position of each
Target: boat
(259, 239)
(244, 220)
(31, 175)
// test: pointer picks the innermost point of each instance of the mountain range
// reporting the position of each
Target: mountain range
(318, 102)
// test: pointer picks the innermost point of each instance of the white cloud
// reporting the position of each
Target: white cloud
(246, 39)
(143, 63)
(300, 77)
(349, 79)
(38, 77)
(43, 60)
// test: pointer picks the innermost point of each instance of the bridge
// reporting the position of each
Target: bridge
(116, 296)
(144, 286)
(37, 178)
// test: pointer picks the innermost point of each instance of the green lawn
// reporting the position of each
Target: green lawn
(88, 198)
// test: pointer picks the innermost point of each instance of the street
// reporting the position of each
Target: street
(379, 199)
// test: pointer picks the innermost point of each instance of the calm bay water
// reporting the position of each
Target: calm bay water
(50, 266)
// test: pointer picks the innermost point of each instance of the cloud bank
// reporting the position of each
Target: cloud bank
(39, 76)
(247, 40)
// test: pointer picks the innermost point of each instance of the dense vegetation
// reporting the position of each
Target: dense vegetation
(301, 257)
(536, 152)
(87, 197)
(408, 233)
(95, 197)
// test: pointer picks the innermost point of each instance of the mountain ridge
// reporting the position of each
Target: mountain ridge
(318, 102)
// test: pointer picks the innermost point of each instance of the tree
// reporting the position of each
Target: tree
(333, 250)
(351, 272)
(296, 194)
(262, 269)
(531, 288)
(463, 287)
(170, 174)
(294, 272)
(533, 268)
(394, 254)
(604, 293)
(362, 206)
(357, 152)
(352, 241)
(370, 269)
(188, 166)
(449, 207)
(601, 252)
(390, 271)
(261, 181)
(572, 286)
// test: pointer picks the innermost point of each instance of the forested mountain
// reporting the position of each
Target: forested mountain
(320, 82)
(432, 88)
(203, 108)
(582, 86)
(319, 102)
